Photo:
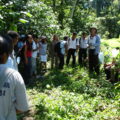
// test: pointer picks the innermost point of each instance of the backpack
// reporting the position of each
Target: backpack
(58, 48)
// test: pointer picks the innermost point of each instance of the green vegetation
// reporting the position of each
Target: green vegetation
(71, 94)
(46, 17)
(111, 42)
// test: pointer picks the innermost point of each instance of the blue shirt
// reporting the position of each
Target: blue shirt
(94, 43)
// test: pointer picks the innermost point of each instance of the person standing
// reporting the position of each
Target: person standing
(60, 49)
(11, 62)
(43, 52)
(28, 58)
(83, 49)
(52, 53)
(13, 98)
(94, 49)
(35, 48)
(73, 45)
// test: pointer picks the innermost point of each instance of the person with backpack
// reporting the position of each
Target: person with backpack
(52, 53)
(60, 49)
(83, 49)
(13, 97)
(94, 49)
(72, 46)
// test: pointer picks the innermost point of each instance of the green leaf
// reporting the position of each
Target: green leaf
(27, 13)
(23, 21)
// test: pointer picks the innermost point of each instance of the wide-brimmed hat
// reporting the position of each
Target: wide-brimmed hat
(93, 27)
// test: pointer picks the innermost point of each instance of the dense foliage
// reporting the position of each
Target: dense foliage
(72, 95)
(56, 16)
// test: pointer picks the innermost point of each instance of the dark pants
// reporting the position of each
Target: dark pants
(94, 65)
(71, 52)
(61, 61)
(82, 56)
(28, 70)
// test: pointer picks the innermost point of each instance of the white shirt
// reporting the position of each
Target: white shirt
(12, 94)
(91, 42)
(62, 46)
(34, 53)
(11, 62)
(83, 43)
(72, 44)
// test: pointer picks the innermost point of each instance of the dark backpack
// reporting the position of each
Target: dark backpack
(57, 48)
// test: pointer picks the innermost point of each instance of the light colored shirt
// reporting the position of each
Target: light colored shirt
(62, 46)
(83, 43)
(94, 43)
(72, 44)
(34, 47)
(43, 48)
(12, 94)
(11, 62)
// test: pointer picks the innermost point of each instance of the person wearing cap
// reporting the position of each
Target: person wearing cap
(72, 46)
(94, 49)
(13, 97)
(83, 49)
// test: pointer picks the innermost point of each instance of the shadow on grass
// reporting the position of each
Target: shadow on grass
(74, 80)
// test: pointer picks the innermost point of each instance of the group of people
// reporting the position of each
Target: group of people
(28, 49)
(31, 48)
(87, 47)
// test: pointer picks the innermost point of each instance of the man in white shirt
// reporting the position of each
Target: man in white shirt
(83, 49)
(94, 49)
(12, 89)
(73, 45)
(11, 62)
(35, 48)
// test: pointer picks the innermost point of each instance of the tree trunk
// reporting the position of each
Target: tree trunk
(61, 14)
(73, 10)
